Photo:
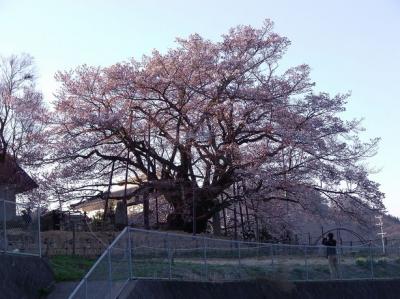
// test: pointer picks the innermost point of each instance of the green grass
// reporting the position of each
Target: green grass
(159, 268)
(73, 268)
(70, 268)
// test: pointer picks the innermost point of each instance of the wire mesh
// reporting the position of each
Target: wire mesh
(145, 254)
(19, 228)
(97, 283)
(109, 274)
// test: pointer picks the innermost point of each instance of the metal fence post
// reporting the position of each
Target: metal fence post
(371, 261)
(39, 211)
(340, 256)
(205, 258)
(5, 222)
(85, 287)
(237, 244)
(239, 253)
(109, 271)
(306, 261)
(398, 250)
(169, 259)
(130, 254)
(272, 255)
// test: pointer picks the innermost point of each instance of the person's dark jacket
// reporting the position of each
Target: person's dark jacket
(331, 246)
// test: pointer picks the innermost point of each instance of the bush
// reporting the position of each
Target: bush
(365, 262)
(362, 262)
(382, 261)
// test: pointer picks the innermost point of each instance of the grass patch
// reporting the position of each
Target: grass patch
(70, 268)
(73, 268)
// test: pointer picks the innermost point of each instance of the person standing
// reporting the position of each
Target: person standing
(330, 244)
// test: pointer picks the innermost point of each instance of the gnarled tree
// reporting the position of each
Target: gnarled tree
(196, 119)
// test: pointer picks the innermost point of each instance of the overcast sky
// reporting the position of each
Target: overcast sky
(350, 46)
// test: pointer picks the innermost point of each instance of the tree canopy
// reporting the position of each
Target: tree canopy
(23, 114)
(191, 122)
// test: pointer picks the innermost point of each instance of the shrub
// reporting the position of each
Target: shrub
(362, 262)
(382, 261)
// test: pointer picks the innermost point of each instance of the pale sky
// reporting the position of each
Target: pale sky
(350, 46)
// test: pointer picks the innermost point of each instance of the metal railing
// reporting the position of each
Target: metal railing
(19, 228)
(111, 271)
(145, 254)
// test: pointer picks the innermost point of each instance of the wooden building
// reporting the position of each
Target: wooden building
(13, 180)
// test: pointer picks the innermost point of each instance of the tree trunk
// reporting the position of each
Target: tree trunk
(157, 220)
(146, 221)
(217, 224)
(190, 202)
(184, 221)
(121, 217)
(182, 216)
(106, 203)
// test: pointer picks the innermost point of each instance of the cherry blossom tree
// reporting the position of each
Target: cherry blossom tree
(191, 122)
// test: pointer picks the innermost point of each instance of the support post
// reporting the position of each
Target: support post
(205, 259)
(239, 254)
(272, 255)
(235, 213)
(216, 224)
(39, 213)
(146, 209)
(130, 254)
(306, 261)
(242, 221)
(225, 225)
(194, 216)
(5, 221)
(73, 238)
(157, 220)
(85, 287)
(170, 261)
(109, 272)
(371, 259)
(240, 262)
(339, 261)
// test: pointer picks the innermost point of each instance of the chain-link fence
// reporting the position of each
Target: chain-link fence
(19, 228)
(110, 272)
(145, 254)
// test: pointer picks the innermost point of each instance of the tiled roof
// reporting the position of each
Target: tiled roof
(97, 201)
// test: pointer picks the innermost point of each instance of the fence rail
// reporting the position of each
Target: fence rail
(145, 254)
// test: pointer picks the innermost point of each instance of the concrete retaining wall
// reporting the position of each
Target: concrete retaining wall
(24, 277)
(373, 289)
